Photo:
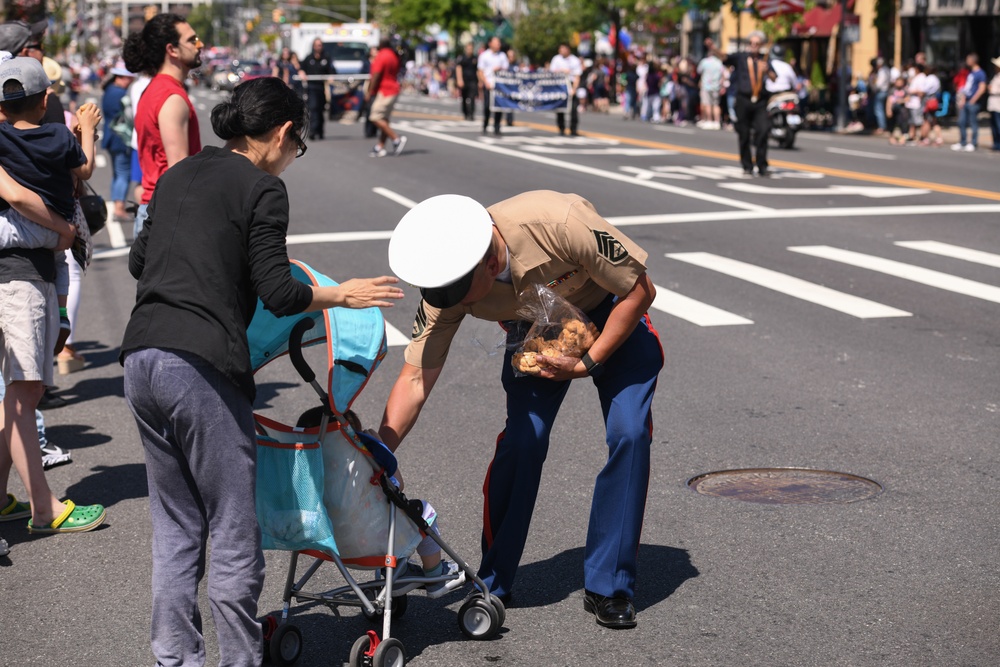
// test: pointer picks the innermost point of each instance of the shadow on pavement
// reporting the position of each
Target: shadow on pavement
(74, 436)
(109, 485)
(662, 570)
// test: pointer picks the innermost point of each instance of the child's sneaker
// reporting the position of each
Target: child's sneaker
(53, 455)
(439, 588)
(409, 571)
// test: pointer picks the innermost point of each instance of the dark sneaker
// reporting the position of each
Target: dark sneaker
(53, 455)
(399, 145)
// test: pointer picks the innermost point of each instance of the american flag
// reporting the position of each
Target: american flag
(768, 8)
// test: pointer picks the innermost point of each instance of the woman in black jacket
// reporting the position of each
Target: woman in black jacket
(213, 243)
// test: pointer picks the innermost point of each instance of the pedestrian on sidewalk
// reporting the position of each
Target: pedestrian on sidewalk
(969, 99)
(993, 103)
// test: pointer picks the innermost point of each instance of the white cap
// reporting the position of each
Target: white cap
(440, 241)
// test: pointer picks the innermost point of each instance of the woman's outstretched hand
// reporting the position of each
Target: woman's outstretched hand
(369, 292)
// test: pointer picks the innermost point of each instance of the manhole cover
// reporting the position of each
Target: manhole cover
(786, 486)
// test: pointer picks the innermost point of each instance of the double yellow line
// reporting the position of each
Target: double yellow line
(732, 157)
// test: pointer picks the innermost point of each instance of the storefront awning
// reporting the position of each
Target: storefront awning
(820, 21)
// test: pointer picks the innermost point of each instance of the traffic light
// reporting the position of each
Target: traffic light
(278, 15)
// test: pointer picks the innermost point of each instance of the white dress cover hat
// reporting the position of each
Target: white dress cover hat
(437, 245)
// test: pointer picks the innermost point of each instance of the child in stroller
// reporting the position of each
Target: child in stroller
(325, 492)
(432, 564)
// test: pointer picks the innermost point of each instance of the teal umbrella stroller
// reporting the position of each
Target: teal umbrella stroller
(325, 488)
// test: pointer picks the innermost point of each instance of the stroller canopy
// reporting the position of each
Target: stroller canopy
(355, 340)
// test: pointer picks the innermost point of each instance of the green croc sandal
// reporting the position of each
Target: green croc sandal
(74, 520)
(14, 509)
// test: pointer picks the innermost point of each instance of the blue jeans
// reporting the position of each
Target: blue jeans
(626, 394)
(967, 122)
(995, 126)
(880, 119)
(197, 433)
(121, 169)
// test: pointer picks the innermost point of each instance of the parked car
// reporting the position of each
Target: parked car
(238, 71)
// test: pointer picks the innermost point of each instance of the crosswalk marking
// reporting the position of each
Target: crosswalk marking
(953, 251)
(905, 271)
(696, 312)
(795, 287)
(394, 337)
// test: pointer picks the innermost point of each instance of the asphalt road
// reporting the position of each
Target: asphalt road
(841, 315)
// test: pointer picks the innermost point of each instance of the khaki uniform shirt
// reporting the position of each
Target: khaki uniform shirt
(557, 240)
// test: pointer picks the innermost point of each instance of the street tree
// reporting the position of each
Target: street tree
(454, 16)
(539, 32)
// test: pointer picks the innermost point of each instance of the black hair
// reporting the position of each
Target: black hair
(257, 107)
(21, 105)
(145, 51)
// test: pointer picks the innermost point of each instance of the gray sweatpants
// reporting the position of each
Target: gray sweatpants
(196, 428)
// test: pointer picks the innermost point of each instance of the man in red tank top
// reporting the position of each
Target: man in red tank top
(166, 124)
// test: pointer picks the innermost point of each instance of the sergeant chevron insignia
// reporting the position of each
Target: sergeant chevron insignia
(420, 321)
(609, 247)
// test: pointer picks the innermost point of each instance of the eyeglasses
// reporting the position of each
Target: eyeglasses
(300, 146)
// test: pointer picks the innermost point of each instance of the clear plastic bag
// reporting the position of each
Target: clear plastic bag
(559, 329)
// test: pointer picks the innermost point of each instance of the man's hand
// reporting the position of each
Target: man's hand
(560, 368)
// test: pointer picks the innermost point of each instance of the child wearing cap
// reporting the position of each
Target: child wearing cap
(44, 159)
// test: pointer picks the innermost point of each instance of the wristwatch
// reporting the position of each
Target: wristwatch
(594, 368)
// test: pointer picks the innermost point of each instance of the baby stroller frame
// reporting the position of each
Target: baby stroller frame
(480, 617)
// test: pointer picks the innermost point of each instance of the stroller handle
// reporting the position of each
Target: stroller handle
(295, 349)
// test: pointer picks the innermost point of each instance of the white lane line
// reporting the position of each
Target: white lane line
(953, 251)
(874, 156)
(395, 196)
(337, 237)
(394, 337)
(915, 274)
(695, 312)
(785, 284)
(673, 130)
(803, 213)
(829, 191)
(113, 252)
(583, 169)
(116, 235)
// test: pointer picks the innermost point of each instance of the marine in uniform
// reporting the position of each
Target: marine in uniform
(317, 64)
(469, 260)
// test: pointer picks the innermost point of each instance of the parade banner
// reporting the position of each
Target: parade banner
(530, 91)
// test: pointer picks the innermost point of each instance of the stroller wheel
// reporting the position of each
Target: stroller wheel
(358, 650)
(286, 645)
(501, 612)
(399, 606)
(478, 619)
(389, 653)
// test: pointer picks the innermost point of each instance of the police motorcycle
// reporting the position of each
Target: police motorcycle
(783, 111)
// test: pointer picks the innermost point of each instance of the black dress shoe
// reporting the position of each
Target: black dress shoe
(49, 400)
(615, 613)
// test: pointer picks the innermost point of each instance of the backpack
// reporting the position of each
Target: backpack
(123, 122)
